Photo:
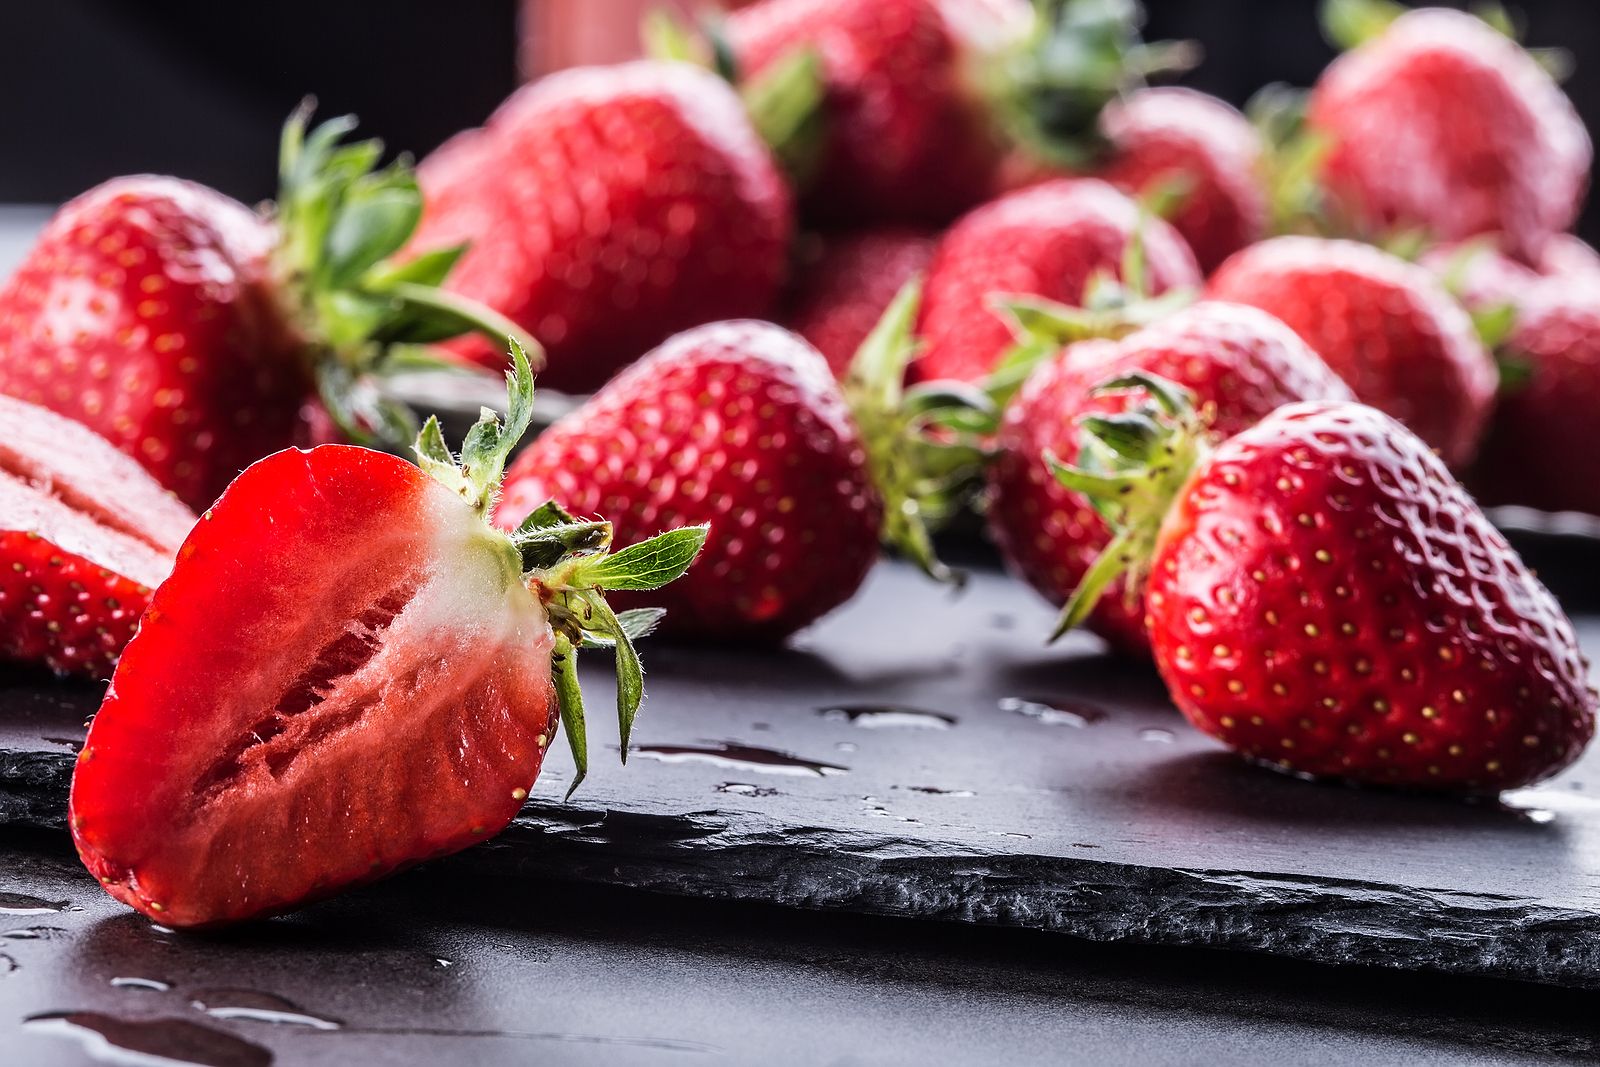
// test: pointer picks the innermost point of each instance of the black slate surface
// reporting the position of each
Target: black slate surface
(418, 971)
(920, 754)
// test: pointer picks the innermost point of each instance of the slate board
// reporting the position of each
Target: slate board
(1053, 789)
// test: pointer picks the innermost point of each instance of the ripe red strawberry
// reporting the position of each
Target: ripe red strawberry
(1241, 363)
(841, 293)
(1324, 596)
(742, 426)
(1483, 277)
(349, 671)
(607, 208)
(1050, 241)
(1540, 450)
(1444, 124)
(925, 101)
(1384, 325)
(85, 534)
(197, 336)
(1202, 149)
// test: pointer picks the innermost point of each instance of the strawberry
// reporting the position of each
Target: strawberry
(742, 426)
(1241, 363)
(1051, 241)
(348, 671)
(1202, 150)
(1483, 277)
(845, 288)
(1441, 123)
(85, 534)
(1384, 325)
(607, 208)
(1324, 596)
(198, 336)
(1540, 452)
(923, 101)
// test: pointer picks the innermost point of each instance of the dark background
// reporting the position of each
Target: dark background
(94, 88)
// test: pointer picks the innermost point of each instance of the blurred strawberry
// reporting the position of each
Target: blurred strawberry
(924, 98)
(842, 290)
(1387, 327)
(1051, 241)
(1438, 122)
(607, 208)
(198, 336)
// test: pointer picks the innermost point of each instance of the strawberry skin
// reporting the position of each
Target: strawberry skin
(1326, 597)
(85, 534)
(1444, 124)
(841, 293)
(1240, 361)
(1208, 148)
(1384, 325)
(144, 312)
(1048, 241)
(906, 134)
(607, 208)
(736, 424)
(1540, 450)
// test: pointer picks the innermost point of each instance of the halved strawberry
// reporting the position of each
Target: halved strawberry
(349, 670)
(85, 534)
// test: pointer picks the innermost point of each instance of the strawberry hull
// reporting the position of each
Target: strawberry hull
(343, 676)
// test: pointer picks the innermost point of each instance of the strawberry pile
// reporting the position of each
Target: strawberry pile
(824, 274)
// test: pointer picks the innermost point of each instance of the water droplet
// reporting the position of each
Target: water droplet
(73, 743)
(735, 757)
(158, 928)
(1539, 816)
(151, 1041)
(442, 962)
(889, 717)
(1010, 833)
(933, 790)
(23, 904)
(35, 933)
(746, 789)
(1157, 734)
(846, 746)
(1054, 712)
(153, 984)
(877, 810)
(259, 1007)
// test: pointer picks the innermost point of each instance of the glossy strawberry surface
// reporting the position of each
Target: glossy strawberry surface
(1048, 241)
(343, 675)
(905, 133)
(1443, 124)
(85, 534)
(1327, 598)
(740, 425)
(1204, 151)
(144, 312)
(1386, 326)
(1240, 362)
(844, 286)
(607, 208)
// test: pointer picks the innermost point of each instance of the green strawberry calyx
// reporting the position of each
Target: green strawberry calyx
(923, 443)
(361, 310)
(567, 562)
(1131, 466)
(1114, 306)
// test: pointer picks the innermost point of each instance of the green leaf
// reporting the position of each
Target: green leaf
(785, 105)
(636, 623)
(647, 565)
(550, 513)
(431, 314)
(878, 368)
(429, 269)
(665, 35)
(1516, 372)
(488, 443)
(1494, 324)
(569, 698)
(1349, 24)
(545, 546)
(370, 228)
(630, 672)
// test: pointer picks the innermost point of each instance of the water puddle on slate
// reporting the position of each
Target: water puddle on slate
(747, 789)
(153, 985)
(741, 758)
(1157, 734)
(151, 1041)
(23, 904)
(258, 1007)
(935, 791)
(1054, 712)
(888, 717)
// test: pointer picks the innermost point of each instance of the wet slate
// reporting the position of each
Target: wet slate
(922, 754)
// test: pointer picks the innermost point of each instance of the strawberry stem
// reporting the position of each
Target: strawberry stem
(565, 561)
(1131, 467)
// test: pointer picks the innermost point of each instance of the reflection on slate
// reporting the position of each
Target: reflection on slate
(921, 754)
